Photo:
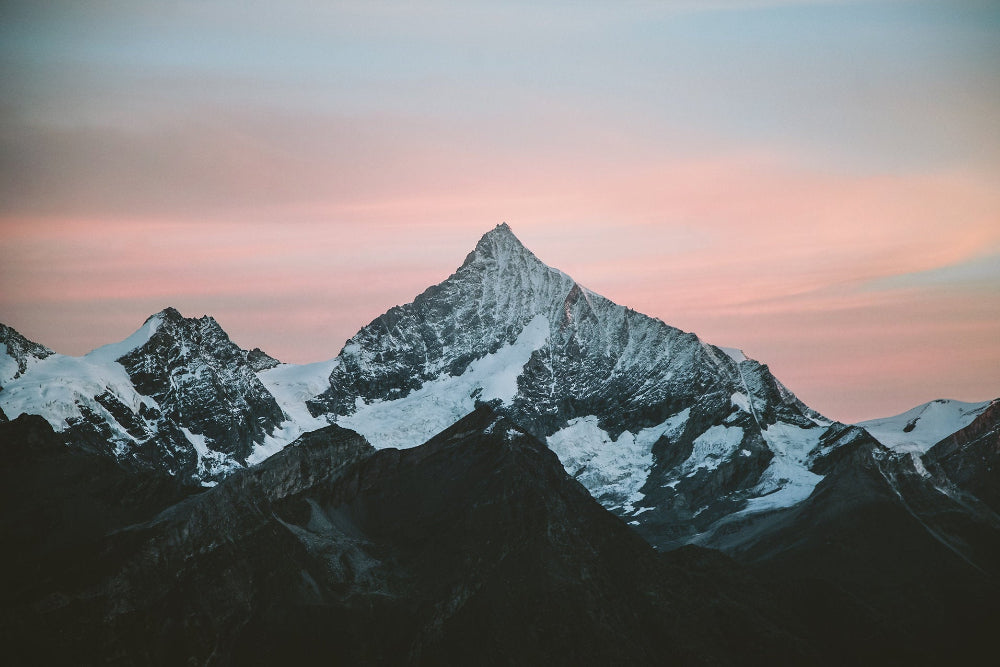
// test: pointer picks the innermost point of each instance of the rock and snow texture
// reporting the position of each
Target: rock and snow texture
(177, 394)
(644, 415)
(17, 354)
(660, 427)
(919, 429)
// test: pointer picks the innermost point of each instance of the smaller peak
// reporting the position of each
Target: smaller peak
(260, 360)
(168, 314)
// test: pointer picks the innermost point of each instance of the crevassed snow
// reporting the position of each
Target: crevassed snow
(56, 386)
(413, 419)
(787, 480)
(712, 447)
(612, 470)
(292, 385)
(783, 484)
(931, 423)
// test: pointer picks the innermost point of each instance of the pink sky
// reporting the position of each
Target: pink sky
(837, 218)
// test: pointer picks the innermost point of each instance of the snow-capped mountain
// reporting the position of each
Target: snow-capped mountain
(920, 428)
(671, 433)
(659, 426)
(970, 457)
(177, 394)
(662, 428)
(17, 354)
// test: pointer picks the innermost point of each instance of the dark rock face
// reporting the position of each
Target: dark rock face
(202, 381)
(970, 458)
(330, 554)
(189, 401)
(883, 552)
(58, 505)
(260, 360)
(20, 350)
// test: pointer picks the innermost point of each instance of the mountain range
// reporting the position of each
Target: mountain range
(509, 469)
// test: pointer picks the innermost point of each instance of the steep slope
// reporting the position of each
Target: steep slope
(918, 429)
(330, 554)
(970, 457)
(17, 354)
(658, 425)
(897, 558)
(57, 500)
(177, 395)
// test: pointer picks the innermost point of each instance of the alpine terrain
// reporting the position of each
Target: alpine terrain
(510, 469)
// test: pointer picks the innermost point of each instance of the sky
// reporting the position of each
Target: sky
(817, 183)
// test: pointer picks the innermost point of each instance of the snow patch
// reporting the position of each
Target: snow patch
(8, 365)
(612, 470)
(919, 429)
(57, 386)
(734, 354)
(787, 480)
(713, 447)
(115, 351)
(210, 462)
(292, 385)
(412, 420)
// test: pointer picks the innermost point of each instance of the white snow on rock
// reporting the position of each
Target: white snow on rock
(924, 426)
(413, 419)
(787, 480)
(114, 351)
(8, 365)
(713, 447)
(612, 470)
(292, 385)
(735, 354)
(741, 401)
(56, 387)
(210, 462)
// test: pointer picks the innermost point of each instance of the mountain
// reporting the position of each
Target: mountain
(918, 429)
(332, 553)
(678, 437)
(659, 426)
(903, 555)
(970, 457)
(177, 395)
(17, 354)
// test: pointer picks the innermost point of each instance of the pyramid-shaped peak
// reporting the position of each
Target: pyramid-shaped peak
(168, 314)
(501, 235)
(502, 246)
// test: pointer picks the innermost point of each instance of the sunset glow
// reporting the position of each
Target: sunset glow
(815, 183)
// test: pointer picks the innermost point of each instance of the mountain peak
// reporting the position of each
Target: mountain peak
(500, 245)
(503, 229)
(169, 313)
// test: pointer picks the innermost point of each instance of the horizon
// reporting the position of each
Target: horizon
(815, 183)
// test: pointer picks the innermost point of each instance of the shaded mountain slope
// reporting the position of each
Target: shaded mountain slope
(330, 554)
(884, 551)
(176, 396)
(970, 458)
